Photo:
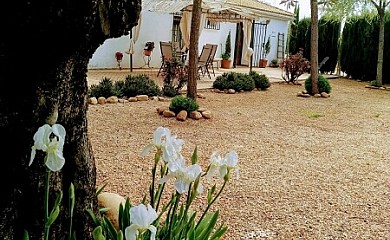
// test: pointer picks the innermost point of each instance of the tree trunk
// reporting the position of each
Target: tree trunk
(44, 76)
(314, 47)
(193, 51)
(381, 45)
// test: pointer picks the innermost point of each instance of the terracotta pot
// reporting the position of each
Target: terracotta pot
(147, 52)
(225, 63)
(263, 63)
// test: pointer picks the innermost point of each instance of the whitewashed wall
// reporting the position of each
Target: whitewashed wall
(275, 27)
(157, 27)
(219, 37)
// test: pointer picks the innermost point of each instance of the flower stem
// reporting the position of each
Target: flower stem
(174, 212)
(46, 204)
(211, 203)
(156, 160)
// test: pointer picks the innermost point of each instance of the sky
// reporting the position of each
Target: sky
(304, 7)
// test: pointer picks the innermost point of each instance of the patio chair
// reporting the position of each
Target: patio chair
(322, 63)
(203, 60)
(166, 55)
(211, 57)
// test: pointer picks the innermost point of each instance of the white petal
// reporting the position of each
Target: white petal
(41, 137)
(158, 134)
(181, 186)
(153, 231)
(33, 152)
(55, 161)
(60, 132)
(152, 215)
(147, 150)
(131, 232)
(231, 159)
(137, 215)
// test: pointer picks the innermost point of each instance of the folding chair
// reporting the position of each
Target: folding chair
(322, 63)
(166, 55)
(211, 58)
(203, 60)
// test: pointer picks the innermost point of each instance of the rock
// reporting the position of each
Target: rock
(306, 95)
(142, 97)
(133, 99)
(325, 95)
(317, 95)
(112, 202)
(206, 114)
(92, 100)
(168, 113)
(101, 100)
(182, 115)
(201, 109)
(112, 99)
(195, 115)
(231, 91)
(160, 110)
(162, 99)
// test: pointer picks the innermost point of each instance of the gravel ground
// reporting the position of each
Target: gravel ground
(309, 168)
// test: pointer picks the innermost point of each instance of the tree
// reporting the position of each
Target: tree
(347, 7)
(313, 41)
(59, 38)
(314, 46)
(193, 51)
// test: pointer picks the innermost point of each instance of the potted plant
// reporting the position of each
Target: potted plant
(225, 63)
(267, 48)
(149, 46)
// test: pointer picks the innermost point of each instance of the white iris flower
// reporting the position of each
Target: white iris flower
(141, 218)
(167, 143)
(184, 175)
(220, 166)
(50, 139)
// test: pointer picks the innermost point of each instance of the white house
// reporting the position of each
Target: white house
(161, 19)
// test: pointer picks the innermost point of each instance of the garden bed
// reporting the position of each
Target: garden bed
(310, 168)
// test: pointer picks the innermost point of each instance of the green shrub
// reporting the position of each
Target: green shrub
(169, 91)
(105, 88)
(261, 80)
(181, 102)
(140, 85)
(233, 80)
(323, 85)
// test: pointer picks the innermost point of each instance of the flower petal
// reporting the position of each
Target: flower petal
(153, 231)
(55, 161)
(60, 132)
(147, 150)
(131, 232)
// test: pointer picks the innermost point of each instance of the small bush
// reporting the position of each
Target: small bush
(140, 85)
(169, 91)
(323, 85)
(181, 102)
(261, 80)
(233, 80)
(105, 88)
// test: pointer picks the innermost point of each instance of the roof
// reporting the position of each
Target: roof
(221, 10)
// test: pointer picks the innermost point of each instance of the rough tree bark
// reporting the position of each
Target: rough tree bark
(314, 46)
(44, 51)
(193, 51)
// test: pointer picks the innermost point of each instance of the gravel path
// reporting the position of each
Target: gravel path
(309, 168)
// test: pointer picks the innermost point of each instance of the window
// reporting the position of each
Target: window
(211, 25)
